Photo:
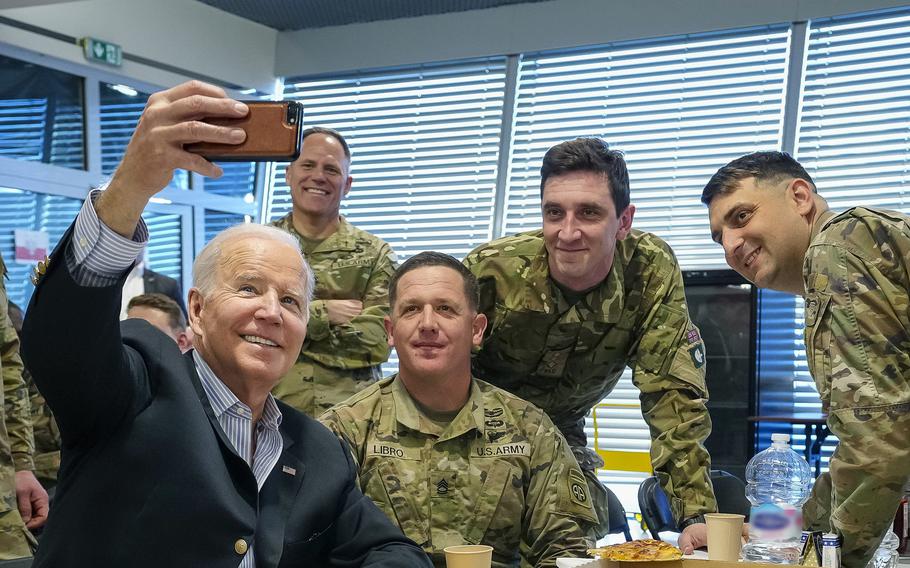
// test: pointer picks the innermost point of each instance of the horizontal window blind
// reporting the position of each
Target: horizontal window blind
(165, 242)
(679, 107)
(34, 212)
(41, 114)
(217, 221)
(853, 127)
(120, 109)
(424, 143)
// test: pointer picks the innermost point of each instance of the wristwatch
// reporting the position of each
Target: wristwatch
(691, 521)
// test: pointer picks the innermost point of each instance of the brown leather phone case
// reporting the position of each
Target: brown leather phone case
(273, 131)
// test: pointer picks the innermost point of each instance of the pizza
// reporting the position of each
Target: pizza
(640, 550)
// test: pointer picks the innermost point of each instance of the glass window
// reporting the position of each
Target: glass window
(217, 221)
(41, 114)
(165, 244)
(239, 180)
(121, 106)
(34, 212)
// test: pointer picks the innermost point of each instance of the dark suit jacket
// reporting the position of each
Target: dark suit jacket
(153, 282)
(148, 478)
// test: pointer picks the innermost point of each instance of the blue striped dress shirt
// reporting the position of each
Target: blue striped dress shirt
(98, 256)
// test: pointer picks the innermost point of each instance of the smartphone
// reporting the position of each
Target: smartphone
(273, 130)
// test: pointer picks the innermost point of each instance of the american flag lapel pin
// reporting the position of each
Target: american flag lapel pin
(288, 469)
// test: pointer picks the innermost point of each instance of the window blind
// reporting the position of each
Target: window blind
(424, 143)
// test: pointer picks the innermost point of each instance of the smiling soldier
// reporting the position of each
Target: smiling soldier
(569, 307)
(346, 341)
(853, 269)
(451, 459)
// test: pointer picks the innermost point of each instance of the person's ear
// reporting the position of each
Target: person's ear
(801, 194)
(478, 327)
(194, 307)
(625, 222)
(389, 328)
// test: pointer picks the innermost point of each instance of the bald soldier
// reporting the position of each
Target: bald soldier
(454, 460)
(346, 341)
(853, 269)
(570, 306)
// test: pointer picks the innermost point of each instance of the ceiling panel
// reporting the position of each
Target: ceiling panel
(300, 14)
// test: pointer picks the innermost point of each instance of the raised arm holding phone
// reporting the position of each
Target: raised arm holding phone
(187, 460)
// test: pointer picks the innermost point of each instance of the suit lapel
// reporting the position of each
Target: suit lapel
(236, 465)
(275, 501)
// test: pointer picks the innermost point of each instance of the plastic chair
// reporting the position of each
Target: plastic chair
(655, 508)
(729, 490)
(618, 523)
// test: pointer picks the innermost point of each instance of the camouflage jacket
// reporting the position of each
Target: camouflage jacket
(565, 359)
(857, 276)
(47, 435)
(16, 443)
(338, 360)
(499, 474)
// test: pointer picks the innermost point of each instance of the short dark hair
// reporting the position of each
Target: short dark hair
(329, 132)
(589, 155)
(773, 167)
(433, 258)
(162, 303)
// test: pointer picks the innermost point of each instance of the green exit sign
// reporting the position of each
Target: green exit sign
(102, 51)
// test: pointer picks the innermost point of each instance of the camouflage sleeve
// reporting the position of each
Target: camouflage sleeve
(858, 345)
(558, 514)
(669, 371)
(16, 407)
(817, 510)
(347, 429)
(362, 342)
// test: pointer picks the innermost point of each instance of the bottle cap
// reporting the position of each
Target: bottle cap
(780, 438)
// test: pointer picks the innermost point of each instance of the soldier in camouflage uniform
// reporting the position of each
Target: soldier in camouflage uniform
(574, 304)
(853, 269)
(16, 447)
(454, 460)
(346, 341)
(47, 435)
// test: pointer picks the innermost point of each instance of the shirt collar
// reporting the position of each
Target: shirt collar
(223, 399)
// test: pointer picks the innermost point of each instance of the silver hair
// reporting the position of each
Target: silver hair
(205, 267)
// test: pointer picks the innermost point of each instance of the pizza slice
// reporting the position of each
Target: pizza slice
(638, 550)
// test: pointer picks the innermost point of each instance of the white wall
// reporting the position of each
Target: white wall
(531, 27)
(185, 34)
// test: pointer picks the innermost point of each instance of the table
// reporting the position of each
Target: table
(816, 426)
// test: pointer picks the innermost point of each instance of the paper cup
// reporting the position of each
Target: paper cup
(469, 556)
(725, 533)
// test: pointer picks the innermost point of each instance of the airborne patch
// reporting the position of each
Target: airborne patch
(578, 488)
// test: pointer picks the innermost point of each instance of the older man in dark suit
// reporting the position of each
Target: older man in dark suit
(173, 460)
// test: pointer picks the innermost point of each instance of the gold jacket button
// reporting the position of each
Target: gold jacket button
(240, 547)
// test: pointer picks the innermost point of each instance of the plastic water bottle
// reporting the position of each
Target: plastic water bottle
(778, 483)
(886, 554)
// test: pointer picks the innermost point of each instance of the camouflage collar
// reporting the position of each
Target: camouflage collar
(603, 303)
(821, 223)
(407, 414)
(342, 239)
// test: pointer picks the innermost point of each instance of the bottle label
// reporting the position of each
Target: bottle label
(775, 523)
